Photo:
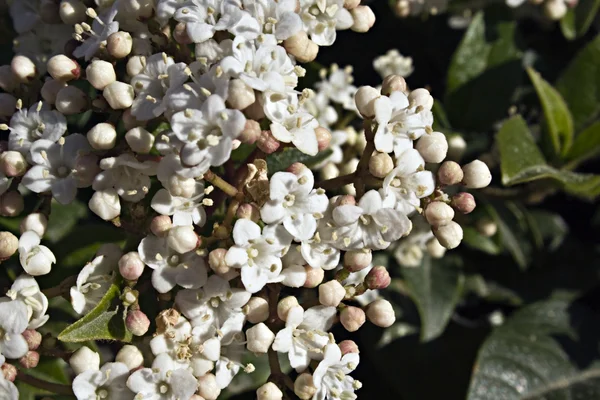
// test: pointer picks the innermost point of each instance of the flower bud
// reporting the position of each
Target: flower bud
(357, 260)
(8, 105)
(329, 171)
(285, 305)
(323, 138)
(301, 47)
(182, 239)
(267, 142)
(9, 244)
(130, 356)
(364, 18)
(84, 359)
(304, 386)
(486, 226)
(119, 44)
(180, 34)
(136, 65)
(434, 248)
(11, 204)
(208, 388)
(438, 213)
(449, 235)
(331, 293)
(421, 97)
(378, 278)
(62, 68)
(450, 173)
(248, 211)
(216, 261)
(255, 110)
(259, 338)
(380, 164)
(294, 276)
(269, 391)
(433, 147)
(8, 81)
(476, 175)
(100, 74)
(131, 266)
(72, 12)
(30, 360)
(555, 9)
(463, 202)
(137, 322)
(456, 147)
(102, 136)
(9, 371)
(140, 140)
(350, 4)
(71, 100)
(365, 100)
(348, 346)
(181, 187)
(23, 68)
(50, 90)
(12, 163)
(314, 276)
(240, 94)
(119, 95)
(160, 225)
(393, 83)
(251, 132)
(256, 310)
(352, 318)
(129, 121)
(33, 338)
(381, 313)
(105, 204)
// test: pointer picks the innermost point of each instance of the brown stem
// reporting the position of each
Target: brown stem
(40, 384)
(362, 170)
(226, 187)
(60, 289)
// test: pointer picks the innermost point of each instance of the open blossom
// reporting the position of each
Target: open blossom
(164, 381)
(109, 382)
(26, 289)
(13, 321)
(35, 259)
(277, 17)
(95, 38)
(128, 176)
(322, 18)
(331, 375)
(337, 86)
(257, 254)
(92, 283)
(393, 63)
(298, 129)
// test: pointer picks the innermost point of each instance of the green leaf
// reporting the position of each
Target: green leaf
(440, 118)
(559, 121)
(396, 331)
(547, 227)
(586, 145)
(99, 324)
(584, 385)
(521, 357)
(509, 236)
(63, 218)
(281, 160)
(579, 85)
(578, 19)
(435, 287)
(474, 239)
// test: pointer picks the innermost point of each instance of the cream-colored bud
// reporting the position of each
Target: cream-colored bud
(438, 213)
(393, 83)
(161, 225)
(381, 313)
(84, 359)
(331, 293)
(105, 204)
(477, 175)
(131, 266)
(364, 18)
(285, 305)
(314, 276)
(380, 164)
(433, 147)
(486, 226)
(50, 90)
(269, 391)
(208, 388)
(23, 68)
(119, 95)
(434, 248)
(182, 238)
(140, 140)
(9, 244)
(102, 136)
(256, 310)
(350, 4)
(352, 318)
(119, 44)
(259, 338)
(13, 163)
(11, 204)
(71, 100)
(555, 9)
(449, 235)
(421, 97)
(357, 260)
(240, 94)
(365, 100)
(136, 65)
(449, 173)
(301, 47)
(130, 356)
(72, 12)
(100, 74)
(62, 68)
(304, 386)
(456, 147)
(36, 222)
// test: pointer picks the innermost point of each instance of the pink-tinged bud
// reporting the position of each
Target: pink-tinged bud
(251, 132)
(304, 386)
(33, 338)
(357, 260)
(477, 175)
(350, 4)
(381, 313)
(297, 168)
(267, 142)
(23, 68)
(450, 173)
(216, 261)
(9, 371)
(464, 202)
(137, 322)
(9, 245)
(30, 360)
(256, 310)
(393, 83)
(182, 239)
(180, 34)
(352, 318)
(449, 235)
(208, 387)
(378, 278)
(380, 164)
(323, 138)
(119, 44)
(438, 213)
(348, 346)
(62, 68)
(285, 305)
(331, 293)
(347, 200)
(11, 204)
(248, 211)
(131, 266)
(314, 276)
(12, 163)
(161, 225)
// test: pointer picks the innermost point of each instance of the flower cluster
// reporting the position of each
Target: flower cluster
(183, 102)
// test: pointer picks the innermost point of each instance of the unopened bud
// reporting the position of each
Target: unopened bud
(314, 276)
(100, 74)
(62, 68)
(267, 142)
(33, 338)
(269, 391)
(285, 305)
(208, 387)
(161, 225)
(380, 164)
(9, 371)
(357, 260)
(137, 322)
(131, 266)
(323, 138)
(12, 163)
(140, 140)
(72, 12)
(180, 34)
(251, 132)
(11, 204)
(348, 346)
(304, 386)
(71, 100)
(119, 44)
(216, 261)
(182, 238)
(477, 175)
(364, 18)
(350, 4)
(433, 147)
(84, 359)
(248, 211)
(119, 95)
(30, 360)
(450, 173)
(378, 278)
(23, 68)
(438, 213)
(259, 338)
(331, 293)
(347, 200)
(352, 318)
(449, 235)
(136, 65)
(464, 202)
(381, 313)
(434, 248)
(130, 356)
(555, 9)
(329, 171)
(102, 136)
(486, 226)
(301, 47)
(9, 244)
(256, 310)
(240, 94)
(421, 97)
(393, 83)
(365, 100)
(105, 204)
(456, 147)
(50, 90)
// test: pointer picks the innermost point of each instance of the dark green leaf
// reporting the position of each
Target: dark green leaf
(547, 227)
(396, 331)
(491, 291)
(440, 119)
(584, 385)
(435, 287)
(281, 160)
(509, 236)
(586, 145)
(559, 122)
(474, 239)
(579, 19)
(63, 218)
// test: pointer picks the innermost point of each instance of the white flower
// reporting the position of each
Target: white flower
(410, 250)
(409, 181)
(321, 18)
(109, 382)
(61, 167)
(95, 38)
(393, 63)
(185, 211)
(319, 253)
(331, 375)
(373, 223)
(230, 362)
(27, 126)
(92, 284)
(35, 259)
(26, 289)
(124, 173)
(338, 86)
(165, 9)
(13, 321)
(399, 123)
(318, 106)
(295, 203)
(356, 278)
(305, 335)
(276, 17)
(164, 381)
(205, 83)
(208, 133)
(298, 129)
(171, 268)
(154, 86)
(258, 255)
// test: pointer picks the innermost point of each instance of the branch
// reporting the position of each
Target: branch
(362, 170)
(60, 289)
(40, 384)
(226, 187)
